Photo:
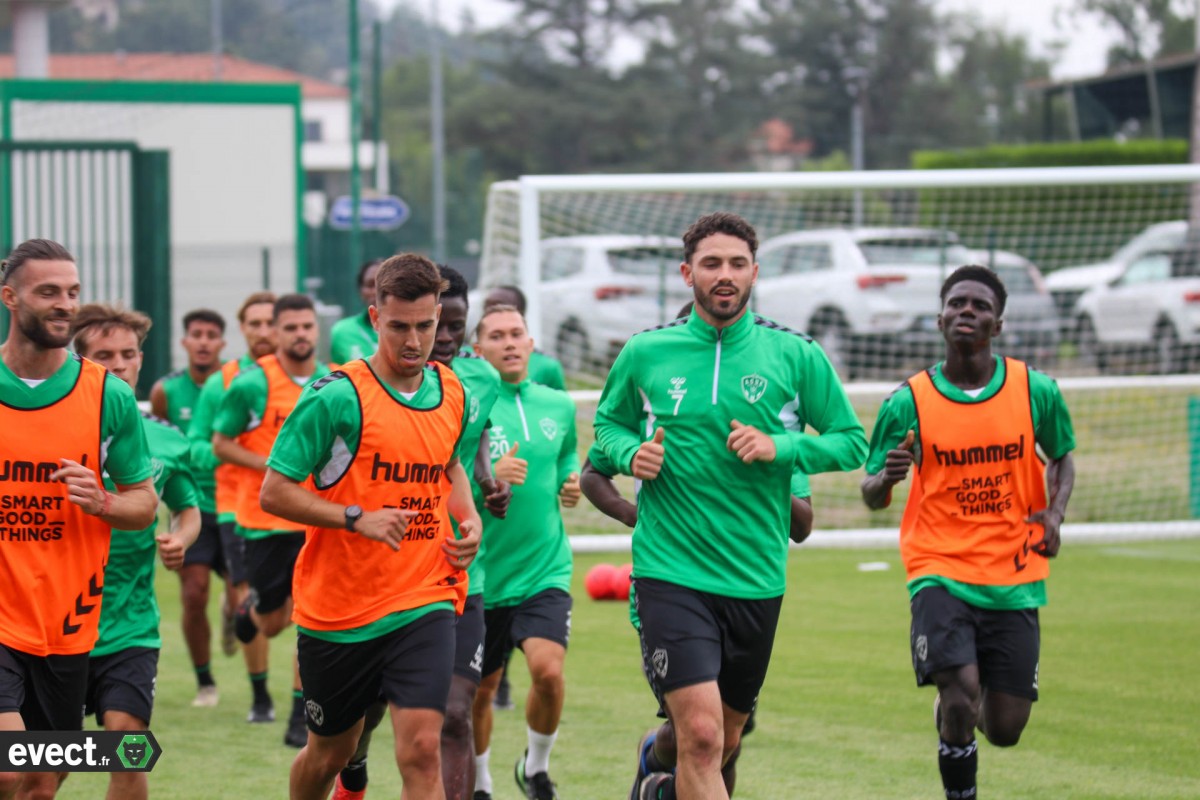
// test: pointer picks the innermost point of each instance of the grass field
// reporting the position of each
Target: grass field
(839, 715)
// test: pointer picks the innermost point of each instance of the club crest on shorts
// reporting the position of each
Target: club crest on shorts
(753, 386)
(315, 712)
(922, 648)
(549, 428)
(659, 662)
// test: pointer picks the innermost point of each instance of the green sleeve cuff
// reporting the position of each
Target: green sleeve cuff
(786, 448)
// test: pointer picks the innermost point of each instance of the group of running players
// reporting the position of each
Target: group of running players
(403, 508)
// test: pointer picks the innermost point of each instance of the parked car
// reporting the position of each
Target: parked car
(1067, 285)
(1031, 330)
(1152, 307)
(868, 295)
(597, 291)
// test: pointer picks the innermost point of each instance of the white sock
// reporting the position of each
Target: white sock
(483, 778)
(537, 759)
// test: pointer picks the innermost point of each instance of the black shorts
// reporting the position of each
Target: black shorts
(690, 637)
(468, 640)
(122, 681)
(269, 565)
(48, 691)
(948, 633)
(208, 549)
(545, 615)
(234, 548)
(409, 667)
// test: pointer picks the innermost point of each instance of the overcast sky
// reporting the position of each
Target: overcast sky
(1086, 43)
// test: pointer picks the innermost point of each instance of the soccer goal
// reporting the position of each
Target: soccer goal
(1104, 294)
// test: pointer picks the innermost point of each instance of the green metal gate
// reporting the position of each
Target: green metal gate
(108, 203)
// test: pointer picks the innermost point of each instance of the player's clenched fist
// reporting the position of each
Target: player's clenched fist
(750, 443)
(171, 549)
(510, 468)
(386, 525)
(460, 552)
(648, 460)
(899, 459)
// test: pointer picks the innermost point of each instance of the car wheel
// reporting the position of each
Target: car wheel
(1090, 351)
(572, 348)
(1167, 350)
(829, 329)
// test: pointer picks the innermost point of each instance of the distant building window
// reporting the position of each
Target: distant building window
(312, 130)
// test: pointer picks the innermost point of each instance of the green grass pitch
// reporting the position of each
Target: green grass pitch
(839, 715)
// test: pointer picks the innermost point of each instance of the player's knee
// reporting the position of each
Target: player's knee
(959, 711)
(457, 724)
(38, 785)
(420, 754)
(547, 676)
(700, 740)
(10, 782)
(1005, 736)
(733, 746)
(329, 755)
(195, 594)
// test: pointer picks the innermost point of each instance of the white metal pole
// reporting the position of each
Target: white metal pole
(529, 258)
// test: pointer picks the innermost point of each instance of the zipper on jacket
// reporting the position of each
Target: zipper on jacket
(521, 411)
(717, 367)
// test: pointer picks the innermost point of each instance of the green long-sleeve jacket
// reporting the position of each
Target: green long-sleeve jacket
(710, 521)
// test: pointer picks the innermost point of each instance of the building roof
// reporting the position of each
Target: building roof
(183, 67)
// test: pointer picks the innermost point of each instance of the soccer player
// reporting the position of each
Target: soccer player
(174, 397)
(250, 416)
(124, 662)
(979, 529)
(381, 574)
(355, 337)
(482, 384)
(64, 420)
(254, 321)
(543, 369)
(709, 413)
(527, 557)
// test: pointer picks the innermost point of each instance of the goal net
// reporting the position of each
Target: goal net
(1104, 293)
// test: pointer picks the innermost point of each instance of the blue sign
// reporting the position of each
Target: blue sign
(374, 213)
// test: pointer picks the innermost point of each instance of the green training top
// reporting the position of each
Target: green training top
(183, 396)
(122, 442)
(528, 552)
(482, 384)
(321, 438)
(1052, 430)
(129, 614)
(351, 338)
(710, 521)
(242, 408)
(546, 370)
(200, 430)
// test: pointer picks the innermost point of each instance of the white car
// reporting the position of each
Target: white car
(597, 291)
(868, 295)
(1153, 306)
(1067, 285)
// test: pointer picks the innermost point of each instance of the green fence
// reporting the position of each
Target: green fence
(108, 203)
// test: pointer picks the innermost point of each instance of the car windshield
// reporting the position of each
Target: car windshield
(1018, 279)
(644, 260)
(913, 250)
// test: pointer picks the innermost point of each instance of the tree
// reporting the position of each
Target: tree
(1148, 28)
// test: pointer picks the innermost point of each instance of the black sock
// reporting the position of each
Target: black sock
(258, 683)
(204, 676)
(654, 764)
(354, 776)
(958, 764)
(297, 704)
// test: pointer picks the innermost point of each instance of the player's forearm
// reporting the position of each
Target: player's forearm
(461, 505)
(185, 524)
(601, 491)
(283, 497)
(133, 507)
(1060, 478)
(229, 451)
(482, 466)
(801, 519)
(841, 449)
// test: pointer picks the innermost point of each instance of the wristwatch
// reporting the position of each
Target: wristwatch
(353, 515)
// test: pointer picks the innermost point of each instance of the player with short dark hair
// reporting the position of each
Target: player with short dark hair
(709, 413)
(124, 663)
(65, 420)
(543, 369)
(381, 574)
(978, 529)
(354, 337)
(174, 397)
(250, 416)
(254, 322)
